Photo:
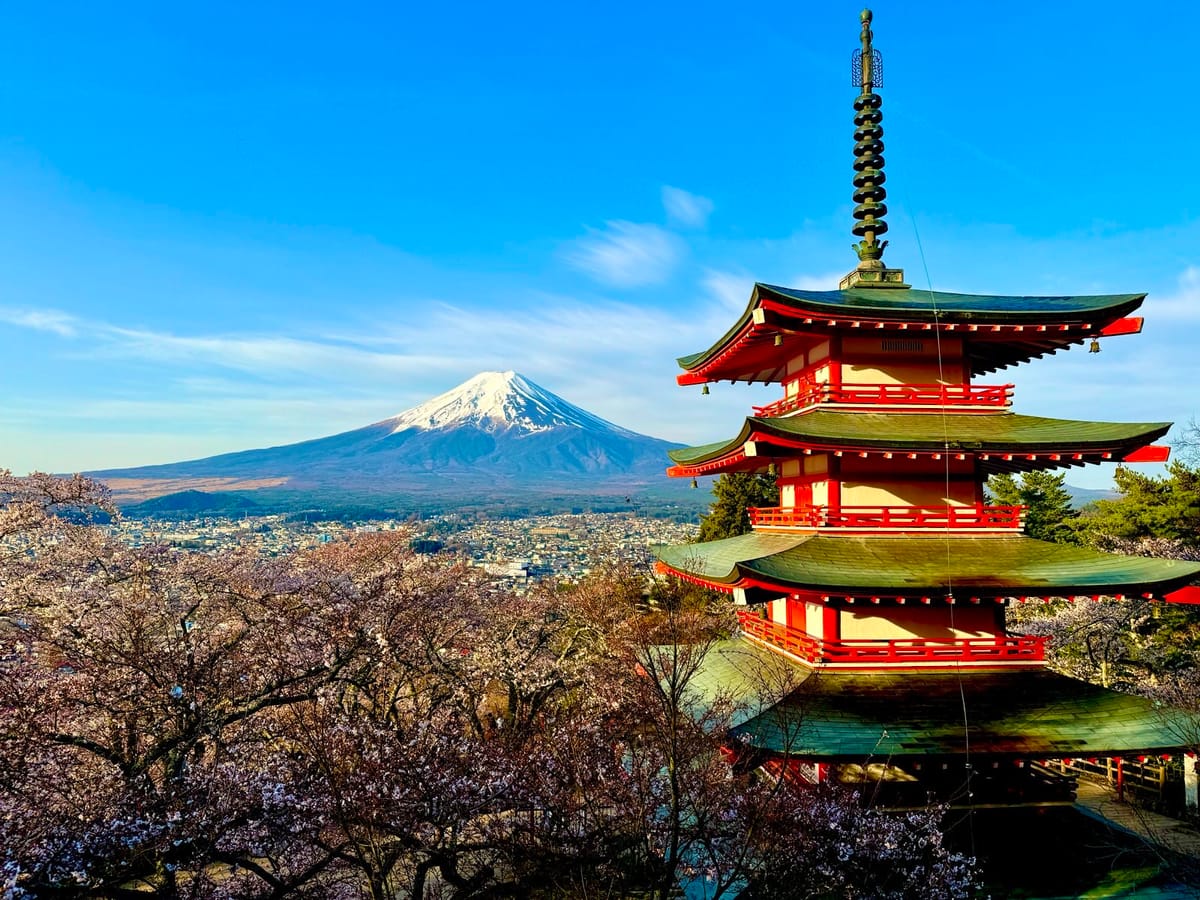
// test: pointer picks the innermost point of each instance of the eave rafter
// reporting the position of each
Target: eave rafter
(756, 338)
(754, 590)
(761, 450)
(733, 462)
(991, 345)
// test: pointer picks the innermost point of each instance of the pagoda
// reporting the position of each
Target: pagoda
(881, 579)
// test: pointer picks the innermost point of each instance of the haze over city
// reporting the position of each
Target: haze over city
(239, 227)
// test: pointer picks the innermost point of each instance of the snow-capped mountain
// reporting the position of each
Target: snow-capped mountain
(500, 400)
(496, 434)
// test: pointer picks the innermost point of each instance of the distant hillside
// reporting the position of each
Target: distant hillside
(197, 503)
(1081, 497)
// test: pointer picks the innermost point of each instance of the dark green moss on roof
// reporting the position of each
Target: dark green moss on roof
(850, 717)
(998, 433)
(909, 305)
(935, 564)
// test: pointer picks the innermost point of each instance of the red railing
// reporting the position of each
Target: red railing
(1002, 648)
(965, 517)
(892, 395)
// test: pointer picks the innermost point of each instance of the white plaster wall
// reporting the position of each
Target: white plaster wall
(814, 623)
(927, 493)
(920, 621)
(820, 493)
(898, 373)
(778, 611)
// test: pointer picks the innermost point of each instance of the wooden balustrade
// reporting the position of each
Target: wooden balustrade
(897, 651)
(976, 517)
(936, 395)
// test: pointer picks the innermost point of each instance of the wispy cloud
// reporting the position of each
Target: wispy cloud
(261, 355)
(626, 254)
(264, 356)
(1181, 306)
(53, 321)
(685, 208)
(730, 289)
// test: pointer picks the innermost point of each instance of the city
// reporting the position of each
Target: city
(515, 551)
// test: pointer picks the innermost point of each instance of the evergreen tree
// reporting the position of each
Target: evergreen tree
(1049, 515)
(735, 492)
(1150, 506)
(1132, 642)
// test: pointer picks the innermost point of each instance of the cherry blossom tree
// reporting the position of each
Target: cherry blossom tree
(356, 720)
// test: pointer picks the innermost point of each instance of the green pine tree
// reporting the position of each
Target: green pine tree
(1130, 642)
(1049, 515)
(735, 492)
(1150, 506)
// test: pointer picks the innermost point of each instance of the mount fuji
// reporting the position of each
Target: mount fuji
(495, 440)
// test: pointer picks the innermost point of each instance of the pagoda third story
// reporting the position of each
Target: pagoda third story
(883, 568)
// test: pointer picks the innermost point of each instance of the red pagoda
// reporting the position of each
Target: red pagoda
(883, 575)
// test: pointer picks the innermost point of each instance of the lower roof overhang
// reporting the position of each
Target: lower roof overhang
(1002, 442)
(916, 565)
(1017, 714)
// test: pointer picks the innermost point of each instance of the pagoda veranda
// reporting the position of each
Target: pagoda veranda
(882, 567)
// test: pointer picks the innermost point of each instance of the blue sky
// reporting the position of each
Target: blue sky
(231, 226)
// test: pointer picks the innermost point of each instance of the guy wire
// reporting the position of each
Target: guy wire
(962, 695)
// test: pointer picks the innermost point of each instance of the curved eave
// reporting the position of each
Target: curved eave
(1001, 442)
(1002, 331)
(720, 562)
(909, 305)
(1019, 715)
(877, 565)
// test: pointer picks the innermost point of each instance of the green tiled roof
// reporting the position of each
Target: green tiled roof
(991, 433)
(921, 305)
(910, 305)
(850, 717)
(935, 564)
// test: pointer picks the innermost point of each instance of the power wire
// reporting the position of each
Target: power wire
(947, 531)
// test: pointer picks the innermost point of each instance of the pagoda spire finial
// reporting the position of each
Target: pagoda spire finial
(869, 192)
(866, 58)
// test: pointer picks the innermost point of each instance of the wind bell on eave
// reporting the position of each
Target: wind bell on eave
(869, 193)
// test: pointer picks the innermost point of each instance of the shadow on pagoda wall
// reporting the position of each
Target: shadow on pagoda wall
(912, 784)
(1009, 783)
(900, 623)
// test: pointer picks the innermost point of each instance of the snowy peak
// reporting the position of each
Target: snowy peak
(499, 401)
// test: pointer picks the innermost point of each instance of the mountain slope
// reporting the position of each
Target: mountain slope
(497, 432)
